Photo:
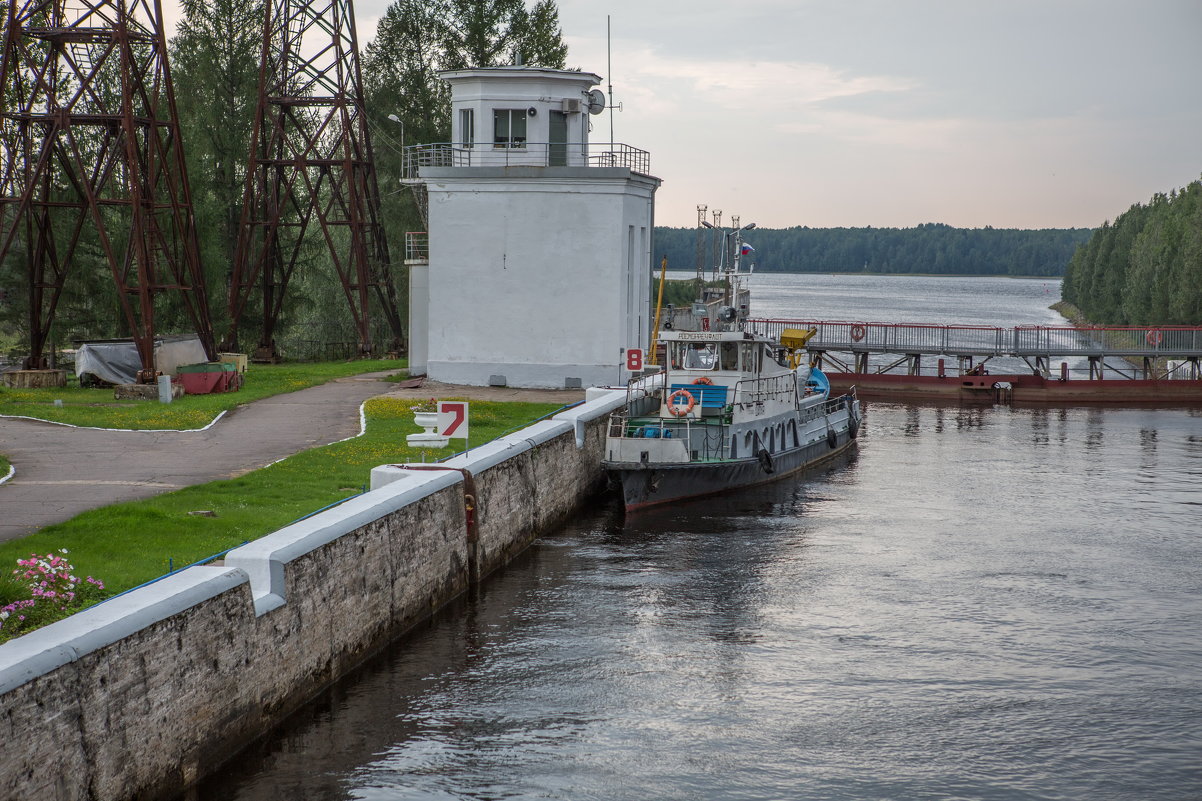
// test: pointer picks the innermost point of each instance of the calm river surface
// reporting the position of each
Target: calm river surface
(980, 603)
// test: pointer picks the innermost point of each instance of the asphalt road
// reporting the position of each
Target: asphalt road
(62, 471)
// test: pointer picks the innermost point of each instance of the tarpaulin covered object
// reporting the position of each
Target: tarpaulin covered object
(116, 360)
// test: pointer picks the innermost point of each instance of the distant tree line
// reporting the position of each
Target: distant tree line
(1145, 268)
(932, 248)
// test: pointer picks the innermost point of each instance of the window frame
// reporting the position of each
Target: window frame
(509, 140)
(467, 126)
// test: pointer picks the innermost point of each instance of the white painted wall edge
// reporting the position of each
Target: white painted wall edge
(264, 559)
(261, 563)
(41, 651)
(598, 402)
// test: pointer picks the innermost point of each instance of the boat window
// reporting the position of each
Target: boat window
(701, 357)
(730, 356)
(751, 358)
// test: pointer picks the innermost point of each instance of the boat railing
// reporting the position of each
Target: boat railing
(642, 396)
(758, 391)
(704, 439)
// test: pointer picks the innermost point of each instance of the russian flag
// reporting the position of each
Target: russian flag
(747, 249)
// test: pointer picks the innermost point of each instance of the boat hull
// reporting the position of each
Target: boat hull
(647, 485)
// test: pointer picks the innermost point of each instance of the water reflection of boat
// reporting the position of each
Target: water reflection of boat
(731, 409)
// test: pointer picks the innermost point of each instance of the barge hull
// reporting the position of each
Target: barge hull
(1022, 388)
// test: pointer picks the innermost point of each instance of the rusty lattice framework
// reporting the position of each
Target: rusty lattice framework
(311, 171)
(93, 172)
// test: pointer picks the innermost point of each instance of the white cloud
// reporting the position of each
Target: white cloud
(740, 84)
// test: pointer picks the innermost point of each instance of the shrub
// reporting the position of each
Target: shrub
(44, 589)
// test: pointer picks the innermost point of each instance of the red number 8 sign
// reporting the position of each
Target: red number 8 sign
(634, 359)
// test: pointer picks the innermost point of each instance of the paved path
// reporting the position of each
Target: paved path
(63, 471)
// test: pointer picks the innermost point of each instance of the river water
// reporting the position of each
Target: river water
(979, 603)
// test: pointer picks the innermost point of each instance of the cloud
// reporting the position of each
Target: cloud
(740, 84)
(867, 128)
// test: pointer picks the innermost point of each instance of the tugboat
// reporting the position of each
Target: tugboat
(730, 409)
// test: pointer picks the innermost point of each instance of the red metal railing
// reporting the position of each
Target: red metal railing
(1029, 341)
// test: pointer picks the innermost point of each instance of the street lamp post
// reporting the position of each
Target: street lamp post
(404, 155)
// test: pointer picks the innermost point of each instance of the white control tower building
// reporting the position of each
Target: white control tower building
(536, 270)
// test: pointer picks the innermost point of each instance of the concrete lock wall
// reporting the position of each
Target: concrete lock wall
(144, 694)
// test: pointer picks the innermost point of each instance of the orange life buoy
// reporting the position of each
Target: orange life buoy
(1154, 337)
(703, 380)
(677, 411)
(857, 332)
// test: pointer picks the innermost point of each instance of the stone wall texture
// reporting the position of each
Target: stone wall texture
(144, 694)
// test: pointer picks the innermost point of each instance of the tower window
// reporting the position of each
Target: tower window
(509, 127)
(467, 126)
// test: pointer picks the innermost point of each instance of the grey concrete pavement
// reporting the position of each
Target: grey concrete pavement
(62, 471)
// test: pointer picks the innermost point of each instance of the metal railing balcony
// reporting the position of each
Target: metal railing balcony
(417, 247)
(523, 154)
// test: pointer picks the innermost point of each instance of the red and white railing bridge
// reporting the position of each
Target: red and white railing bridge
(1037, 345)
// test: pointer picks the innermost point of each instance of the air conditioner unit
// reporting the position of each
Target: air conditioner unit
(571, 105)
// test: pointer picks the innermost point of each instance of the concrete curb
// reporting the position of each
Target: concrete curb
(212, 423)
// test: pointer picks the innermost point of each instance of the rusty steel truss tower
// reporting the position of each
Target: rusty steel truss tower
(311, 172)
(92, 173)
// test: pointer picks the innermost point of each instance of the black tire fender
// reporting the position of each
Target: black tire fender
(765, 460)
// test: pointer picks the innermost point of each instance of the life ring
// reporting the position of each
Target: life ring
(703, 380)
(1154, 338)
(832, 439)
(675, 410)
(765, 460)
(857, 332)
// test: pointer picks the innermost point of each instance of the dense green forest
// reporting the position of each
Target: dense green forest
(1145, 268)
(214, 61)
(932, 248)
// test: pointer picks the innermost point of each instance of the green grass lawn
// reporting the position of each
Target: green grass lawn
(4, 465)
(96, 407)
(130, 543)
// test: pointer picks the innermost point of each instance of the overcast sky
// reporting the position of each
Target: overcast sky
(1011, 113)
